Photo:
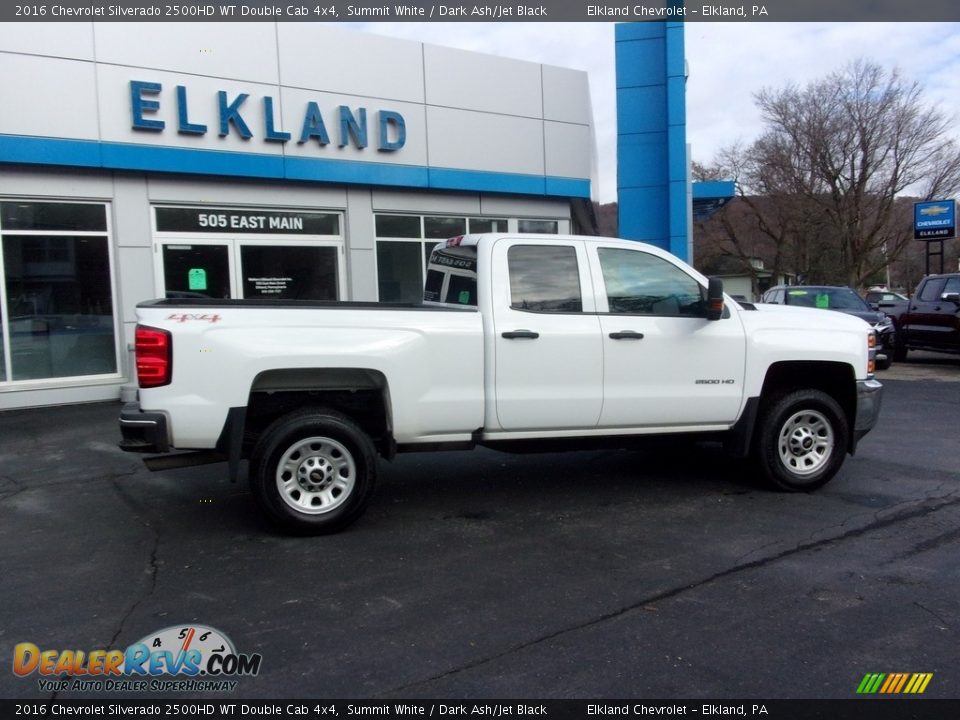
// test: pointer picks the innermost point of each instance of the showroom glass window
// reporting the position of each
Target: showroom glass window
(57, 314)
(404, 244)
(540, 227)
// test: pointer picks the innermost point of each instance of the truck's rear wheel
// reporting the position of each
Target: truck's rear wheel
(313, 471)
(802, 438)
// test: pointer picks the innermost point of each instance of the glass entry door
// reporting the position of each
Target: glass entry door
(197, 269)
(241, 268)
(289, 272)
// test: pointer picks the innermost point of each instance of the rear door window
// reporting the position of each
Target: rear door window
(544, 278)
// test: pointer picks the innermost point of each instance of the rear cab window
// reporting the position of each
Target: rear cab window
(452, 274)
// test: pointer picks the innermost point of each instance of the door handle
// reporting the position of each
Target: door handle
(515, 334)
(626, 335)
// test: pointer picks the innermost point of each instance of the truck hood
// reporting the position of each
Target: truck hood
(801, 318)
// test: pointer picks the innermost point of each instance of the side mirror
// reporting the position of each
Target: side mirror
(714, 299)
(951, 297)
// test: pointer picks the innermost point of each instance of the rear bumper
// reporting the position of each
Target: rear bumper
(869, 400)
(143, 432)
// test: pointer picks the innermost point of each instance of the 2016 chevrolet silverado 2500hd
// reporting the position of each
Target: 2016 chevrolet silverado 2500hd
(519, 339)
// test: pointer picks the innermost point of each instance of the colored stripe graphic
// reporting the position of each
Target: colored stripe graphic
(870, 683)
(894, 683)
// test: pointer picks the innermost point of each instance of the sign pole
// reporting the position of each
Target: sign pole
(930, 254)
(934, 222)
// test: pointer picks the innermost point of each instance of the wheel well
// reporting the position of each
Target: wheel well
(834, 378)
(360, 394)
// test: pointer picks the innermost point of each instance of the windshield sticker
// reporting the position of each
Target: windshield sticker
(823, 301)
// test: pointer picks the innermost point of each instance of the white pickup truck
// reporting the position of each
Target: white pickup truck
(520, 339)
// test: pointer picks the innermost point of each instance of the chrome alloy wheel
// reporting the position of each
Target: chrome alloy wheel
(316, 475)
(806, 442)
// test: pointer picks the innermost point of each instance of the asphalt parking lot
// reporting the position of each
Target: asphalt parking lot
(613, 574)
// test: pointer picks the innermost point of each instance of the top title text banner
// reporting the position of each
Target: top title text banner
(533, 11)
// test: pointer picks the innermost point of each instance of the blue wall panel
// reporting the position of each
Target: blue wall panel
(652, 177)
(638, 156)
(153, 158)
(641, 109)
(646, 218)
(634, 74)
(641, 31)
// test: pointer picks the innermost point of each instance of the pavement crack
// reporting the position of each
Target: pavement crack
(877, 519)
(931, 544)
(917, 510)
(943, 623)
(18, 487)
(153, 564)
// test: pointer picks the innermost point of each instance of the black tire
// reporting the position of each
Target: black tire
(883, 361)
(313, 471)
(802, 439)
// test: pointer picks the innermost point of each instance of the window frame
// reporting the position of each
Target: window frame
(7, 382)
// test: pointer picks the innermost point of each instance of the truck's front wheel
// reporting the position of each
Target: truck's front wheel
(802, 438)
(313, 471)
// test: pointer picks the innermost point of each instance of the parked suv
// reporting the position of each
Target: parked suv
(841, 299)
(932, 320)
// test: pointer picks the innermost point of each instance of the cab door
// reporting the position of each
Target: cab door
(547, 347)
(664, 363)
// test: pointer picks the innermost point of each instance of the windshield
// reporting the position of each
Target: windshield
(827, 298)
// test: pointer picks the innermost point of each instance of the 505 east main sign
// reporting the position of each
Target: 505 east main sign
(349, 126)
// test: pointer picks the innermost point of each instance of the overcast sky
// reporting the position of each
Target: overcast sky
(728, 63)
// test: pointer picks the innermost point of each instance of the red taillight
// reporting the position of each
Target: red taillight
(154, 356)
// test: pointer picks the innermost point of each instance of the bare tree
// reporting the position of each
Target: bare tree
(834, 157)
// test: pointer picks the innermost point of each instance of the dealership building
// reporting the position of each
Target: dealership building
(268, 160)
